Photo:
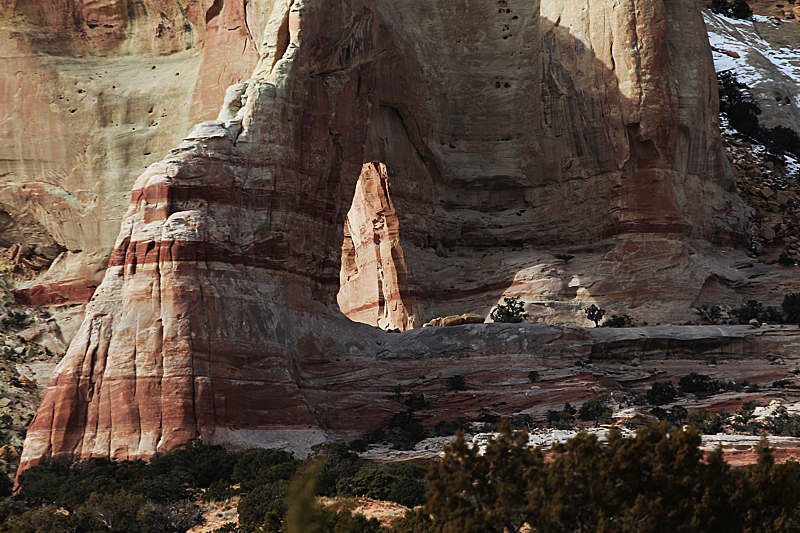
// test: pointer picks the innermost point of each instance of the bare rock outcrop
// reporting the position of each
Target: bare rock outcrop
(374, 278)
(497, 125)
(91, 93)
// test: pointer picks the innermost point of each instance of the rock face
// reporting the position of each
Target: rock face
(505, 125)
(91, 92)
(374, 274)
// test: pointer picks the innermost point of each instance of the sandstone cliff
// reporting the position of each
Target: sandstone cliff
(90, 94)
(480, 136)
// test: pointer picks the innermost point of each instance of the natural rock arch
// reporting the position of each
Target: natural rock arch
(218, 317)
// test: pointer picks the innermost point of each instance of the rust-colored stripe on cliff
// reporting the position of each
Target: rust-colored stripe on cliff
(56, 293)
(272, 254)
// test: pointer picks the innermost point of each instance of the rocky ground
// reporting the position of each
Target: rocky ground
(762, 53)
(217, 514)
(770, 191)
(25, 365)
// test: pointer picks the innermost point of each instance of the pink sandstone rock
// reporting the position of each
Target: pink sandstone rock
(374, 278)
(91, 93)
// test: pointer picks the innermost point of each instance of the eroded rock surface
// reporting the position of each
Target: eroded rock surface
(90, 94)
(504, 125)
(374, 280)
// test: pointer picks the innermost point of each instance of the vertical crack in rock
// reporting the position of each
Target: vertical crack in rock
(214, 10)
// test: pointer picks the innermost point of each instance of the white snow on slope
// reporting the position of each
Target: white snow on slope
(740, 36)
(770, 72)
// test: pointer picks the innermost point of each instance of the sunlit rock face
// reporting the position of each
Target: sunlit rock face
(374, 279)
(91, 93)
(465, 139)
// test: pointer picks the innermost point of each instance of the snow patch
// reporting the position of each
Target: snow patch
(755, 54)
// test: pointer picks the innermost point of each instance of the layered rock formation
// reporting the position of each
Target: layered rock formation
(90, 94)
(508, 125)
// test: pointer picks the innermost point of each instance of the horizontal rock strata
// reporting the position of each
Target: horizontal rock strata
(91, 93)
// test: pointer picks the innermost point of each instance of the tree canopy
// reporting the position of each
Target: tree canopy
(657, 481)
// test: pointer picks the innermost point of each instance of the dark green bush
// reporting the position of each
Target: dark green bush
(661, 393)
(416, 401)
(709, 314)
(42, 519)
(400, 483)
(743, 419)
(417, 521)
(753, 309)
(198, 464)
(598, 409)
(359, 445)
(674, 417)
(450, 427)
(677, 414)
(523, 421)
(513, 311)
(791, 306)
(563, 419)
(785, 259)
(169, 518)
(699, 384)
(116, 513)
(336, 463)
(484, 415)
(781, 140)
(780, 422)
(218, 491)
(405, 430)
(346, 522)
(595, 314)
(657, 481)
(6, 486)
(14, 321)
(455, 383)
(264, 466)
(69, 483)
(255, 505)
(615, 321)
(738, 106)
(741, 109)
(735, 8)
(705, 422)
